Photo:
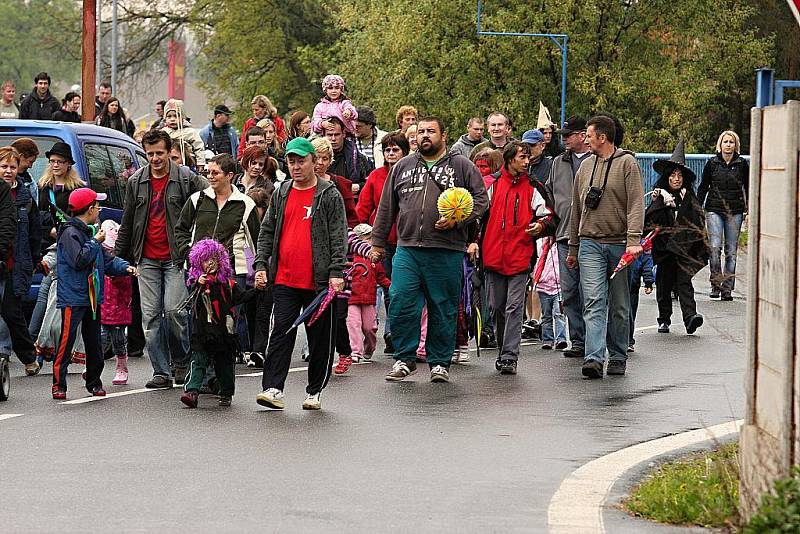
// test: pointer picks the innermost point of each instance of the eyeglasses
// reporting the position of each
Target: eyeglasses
(392, 149)
(57, 162)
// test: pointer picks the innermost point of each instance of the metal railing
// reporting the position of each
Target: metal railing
(696, 162)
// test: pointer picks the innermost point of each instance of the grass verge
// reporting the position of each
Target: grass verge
(701, 489)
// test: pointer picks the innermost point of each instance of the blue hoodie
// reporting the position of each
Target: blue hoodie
(77, 256)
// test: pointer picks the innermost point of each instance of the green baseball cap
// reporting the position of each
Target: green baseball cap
(300, 146)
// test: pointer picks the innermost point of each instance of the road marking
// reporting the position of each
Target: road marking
(84, 400)
(653, 327)
(577, 505)
(299, 369)
(5, 416)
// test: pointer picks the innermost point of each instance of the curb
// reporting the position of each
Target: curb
(577, 505)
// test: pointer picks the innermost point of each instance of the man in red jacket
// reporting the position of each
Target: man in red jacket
(518, 215)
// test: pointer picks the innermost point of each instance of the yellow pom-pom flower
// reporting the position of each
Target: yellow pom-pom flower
(455, 203)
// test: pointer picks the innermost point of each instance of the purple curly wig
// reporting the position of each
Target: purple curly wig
(209, 249)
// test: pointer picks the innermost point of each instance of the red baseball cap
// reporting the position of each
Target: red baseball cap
(83, 197)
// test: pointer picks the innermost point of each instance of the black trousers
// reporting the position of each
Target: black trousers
(342, 334)
(11, 310)
(72, 318)
(258, 313)
(670, 275)
(288, 302)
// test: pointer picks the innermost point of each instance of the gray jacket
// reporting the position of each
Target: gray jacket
(136, 209)
(559, 187)
(410, 195)
(328, 233)
(464, 145)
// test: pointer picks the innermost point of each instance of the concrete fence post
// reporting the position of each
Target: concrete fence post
(770, 444)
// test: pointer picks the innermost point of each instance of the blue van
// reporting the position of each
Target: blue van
(104, 159)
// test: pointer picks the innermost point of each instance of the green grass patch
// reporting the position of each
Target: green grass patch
(701, 489)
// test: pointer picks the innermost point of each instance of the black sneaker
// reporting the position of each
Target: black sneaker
(508, 367)
(561, 345)
(592, 369)
(224, 400)
(726, 297)
(574, 352)
(488, 341)
(695, 322)
(663, 328)
(159, 382)
(179, 375)
(714, 294)
(388, 347)
(616, 367)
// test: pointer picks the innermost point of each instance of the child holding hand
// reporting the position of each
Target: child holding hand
(334, 104)
(81, 265)
(213, 297)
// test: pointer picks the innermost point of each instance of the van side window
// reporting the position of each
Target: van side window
(103, 175)
(123, 163)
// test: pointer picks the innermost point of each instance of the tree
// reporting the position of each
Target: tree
(33, 41)
(665, 68)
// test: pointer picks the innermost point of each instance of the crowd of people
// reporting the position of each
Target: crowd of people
(229, 243)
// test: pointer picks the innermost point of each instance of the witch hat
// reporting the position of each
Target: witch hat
(664, 167)
(544, 120)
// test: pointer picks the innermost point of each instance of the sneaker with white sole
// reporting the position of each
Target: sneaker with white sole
(255, 359)
(271, 398)
(401, 370)
(312, 402)
(439, 373)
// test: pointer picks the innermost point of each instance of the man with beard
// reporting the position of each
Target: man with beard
(430, 249)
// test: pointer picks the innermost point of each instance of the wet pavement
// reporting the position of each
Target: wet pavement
(484, 453)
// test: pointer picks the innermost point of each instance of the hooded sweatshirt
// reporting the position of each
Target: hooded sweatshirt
(410, 195)
(185, 132)
(619, 217)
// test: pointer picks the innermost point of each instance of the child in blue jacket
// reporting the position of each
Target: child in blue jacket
(639, 271)
(82, 264)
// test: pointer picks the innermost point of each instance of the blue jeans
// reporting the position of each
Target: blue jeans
(41, 306)
(727, 226)
(162, 288)
(552, 318)
(606, 305)
(571, 297)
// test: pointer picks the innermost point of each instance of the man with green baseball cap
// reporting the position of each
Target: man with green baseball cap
(302, 250)
(301, 147)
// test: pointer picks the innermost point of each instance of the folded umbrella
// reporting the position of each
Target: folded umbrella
(310, 309)
(627, 259)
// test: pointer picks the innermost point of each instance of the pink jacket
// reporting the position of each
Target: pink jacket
(116, 307)
(549, 282)
(326, 109)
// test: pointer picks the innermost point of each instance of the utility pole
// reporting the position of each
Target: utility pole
(88, 48)
(114, 34)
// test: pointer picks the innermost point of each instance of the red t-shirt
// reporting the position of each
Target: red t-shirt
(156, 245)
(295, 268)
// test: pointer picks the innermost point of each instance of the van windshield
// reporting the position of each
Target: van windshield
(43, 143)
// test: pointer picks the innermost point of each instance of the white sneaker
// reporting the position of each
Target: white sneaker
(271, 398)
(463, 354)
(312, 402)
(440, 374)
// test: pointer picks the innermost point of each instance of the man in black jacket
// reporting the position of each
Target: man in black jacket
(40, 104)
(302, 251)
(154, 198)
(347, 160)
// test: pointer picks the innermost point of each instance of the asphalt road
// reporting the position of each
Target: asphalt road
(483, 453)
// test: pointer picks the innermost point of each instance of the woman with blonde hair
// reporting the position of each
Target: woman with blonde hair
(57, 182)
(723, 194)
(262, 108)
